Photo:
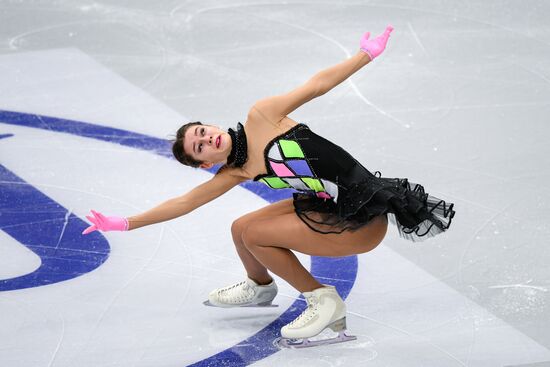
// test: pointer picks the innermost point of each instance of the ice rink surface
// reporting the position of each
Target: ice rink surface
(90, 92)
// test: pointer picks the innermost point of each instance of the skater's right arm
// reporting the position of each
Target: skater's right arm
(170, 209)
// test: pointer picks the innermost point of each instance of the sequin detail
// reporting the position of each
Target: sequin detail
(239, 147)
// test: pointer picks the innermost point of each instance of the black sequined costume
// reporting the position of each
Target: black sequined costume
(336, 193)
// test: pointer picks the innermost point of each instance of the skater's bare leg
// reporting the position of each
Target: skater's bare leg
(270, 241)
(255, 269)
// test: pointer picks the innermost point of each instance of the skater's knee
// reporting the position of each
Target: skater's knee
(237, 228)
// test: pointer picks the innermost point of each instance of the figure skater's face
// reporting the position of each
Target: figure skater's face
(208, 144)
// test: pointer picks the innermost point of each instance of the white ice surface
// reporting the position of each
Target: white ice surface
(461, 103)
(143, 306)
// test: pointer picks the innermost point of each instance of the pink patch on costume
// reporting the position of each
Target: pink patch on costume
(324, 195)
(280, 169)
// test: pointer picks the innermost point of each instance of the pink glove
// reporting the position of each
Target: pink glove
(103, 223)
(374, 47)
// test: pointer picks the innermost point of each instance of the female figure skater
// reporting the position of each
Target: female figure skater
(340, 209)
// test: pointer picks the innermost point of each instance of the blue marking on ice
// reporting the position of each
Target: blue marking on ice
(50, 231)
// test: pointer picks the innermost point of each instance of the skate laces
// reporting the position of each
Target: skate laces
(235, 292)
(308, 313)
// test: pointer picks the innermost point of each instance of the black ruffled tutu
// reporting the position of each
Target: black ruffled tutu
(363, 196)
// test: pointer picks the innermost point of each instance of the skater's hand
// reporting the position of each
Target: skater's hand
(103, 223)
(375, 46)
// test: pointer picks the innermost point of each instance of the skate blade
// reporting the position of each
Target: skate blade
(259, 305)
(283, 343)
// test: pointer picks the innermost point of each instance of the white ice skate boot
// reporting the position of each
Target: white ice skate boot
(325, 310)
(244, 294)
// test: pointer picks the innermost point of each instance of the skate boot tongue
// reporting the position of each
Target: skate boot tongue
(311, 299)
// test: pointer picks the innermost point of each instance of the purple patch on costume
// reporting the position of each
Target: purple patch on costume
(300, 167)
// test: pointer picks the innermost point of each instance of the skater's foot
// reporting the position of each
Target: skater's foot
(247, 293)
(325, 309)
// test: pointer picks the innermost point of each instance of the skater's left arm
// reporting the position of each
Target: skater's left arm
(276, 107)
(334, 75)
(368, 51)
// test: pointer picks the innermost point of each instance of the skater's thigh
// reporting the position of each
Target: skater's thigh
(285, 206)
(288, 231)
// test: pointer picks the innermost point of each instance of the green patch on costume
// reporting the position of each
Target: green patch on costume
(313, 184)
(274, 182)
(291, 149)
